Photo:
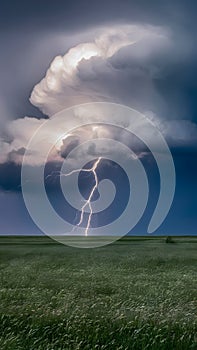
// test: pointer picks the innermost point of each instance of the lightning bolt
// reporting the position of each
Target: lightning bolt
(88, 201)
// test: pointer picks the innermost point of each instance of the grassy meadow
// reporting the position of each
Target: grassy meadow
(134, 294)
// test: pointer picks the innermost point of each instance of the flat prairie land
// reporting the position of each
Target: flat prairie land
(137, 293)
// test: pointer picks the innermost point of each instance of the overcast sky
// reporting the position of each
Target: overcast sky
(144, 56)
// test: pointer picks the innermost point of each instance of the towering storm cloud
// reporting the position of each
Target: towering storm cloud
(119, 64)
(54, 55)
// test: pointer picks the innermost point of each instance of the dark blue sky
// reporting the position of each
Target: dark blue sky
(161, 82)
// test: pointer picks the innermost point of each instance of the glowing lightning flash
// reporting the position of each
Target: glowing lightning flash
(88, 201)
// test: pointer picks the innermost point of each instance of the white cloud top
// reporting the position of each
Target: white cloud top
(68, 80)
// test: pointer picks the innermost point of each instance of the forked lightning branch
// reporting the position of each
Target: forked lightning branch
(92, 192)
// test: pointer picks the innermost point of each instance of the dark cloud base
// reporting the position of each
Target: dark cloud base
(181, 220)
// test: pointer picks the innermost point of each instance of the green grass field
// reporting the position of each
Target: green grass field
(133, 294)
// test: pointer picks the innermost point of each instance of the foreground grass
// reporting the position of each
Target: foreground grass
(134, 294)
